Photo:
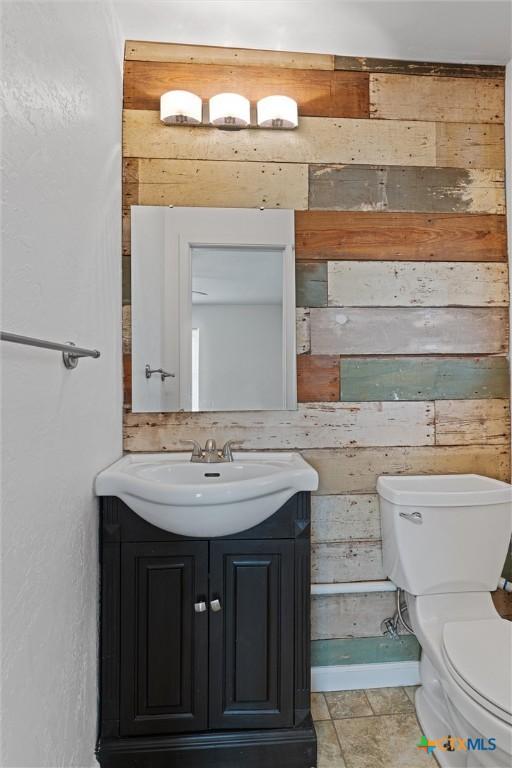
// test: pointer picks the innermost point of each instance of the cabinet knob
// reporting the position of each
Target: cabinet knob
(215, 605)
(200, 607)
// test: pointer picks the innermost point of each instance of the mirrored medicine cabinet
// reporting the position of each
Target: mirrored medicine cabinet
(213, 309)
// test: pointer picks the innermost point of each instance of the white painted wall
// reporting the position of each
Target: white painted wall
(240, 356)
(62, 281)
(476, 31)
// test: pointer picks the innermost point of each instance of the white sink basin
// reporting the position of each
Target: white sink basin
(196, 499)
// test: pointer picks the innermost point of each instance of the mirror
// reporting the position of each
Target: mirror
(213, 309)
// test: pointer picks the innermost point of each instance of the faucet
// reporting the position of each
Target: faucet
(210, 454)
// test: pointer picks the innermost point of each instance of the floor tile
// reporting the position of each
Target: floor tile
(411, 691)
(389, 701)
(385, 741)
(319, 709)
(348, 704)
(329, 754)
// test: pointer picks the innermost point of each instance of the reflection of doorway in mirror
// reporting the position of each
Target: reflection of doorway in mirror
(237, 307)
(195, 369)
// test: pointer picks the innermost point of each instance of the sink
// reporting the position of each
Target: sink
(196, 499)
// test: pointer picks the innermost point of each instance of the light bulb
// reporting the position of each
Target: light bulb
(230, 111)
(277, 112)
(181, 108)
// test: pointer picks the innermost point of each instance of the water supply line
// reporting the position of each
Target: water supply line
(390, 626)
(505, 584)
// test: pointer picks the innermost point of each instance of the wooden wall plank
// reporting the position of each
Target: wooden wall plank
(503, 603)
(462, 422)
(409, 284)
(318, 93)
(314, 425)
(357, 470)
(462, 145)
(321, 235)
(408, 331)
(126, 233)
(316, 140)
(127, 329)
(397, 66)
(131, 169)
(126, 280)
(360, 615)
(342, 518)
(424, 378)
(311, 284)
(442, 99)
(396, 188)
(223, 184)
(318, 378)
(364, 650)
(303, 329)
(136, 50)
(127, 379)
(346, 561)
(130, 196)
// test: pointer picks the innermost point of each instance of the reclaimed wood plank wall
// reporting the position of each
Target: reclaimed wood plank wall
(396, 174)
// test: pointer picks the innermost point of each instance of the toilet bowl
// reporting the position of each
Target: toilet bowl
(444, 543)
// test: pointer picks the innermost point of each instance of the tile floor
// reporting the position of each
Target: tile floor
(375, 728)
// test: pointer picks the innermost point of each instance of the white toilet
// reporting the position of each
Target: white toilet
(445, 539)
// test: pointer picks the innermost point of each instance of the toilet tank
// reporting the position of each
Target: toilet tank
(444, 533)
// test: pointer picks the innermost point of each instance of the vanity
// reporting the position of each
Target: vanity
(205, 553)
(205, 639)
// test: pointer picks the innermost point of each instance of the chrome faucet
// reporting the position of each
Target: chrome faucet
(210, 454)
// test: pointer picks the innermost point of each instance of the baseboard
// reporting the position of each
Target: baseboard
(350, 677)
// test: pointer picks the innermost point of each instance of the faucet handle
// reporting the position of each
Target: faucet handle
(226, 450)
(197, 451)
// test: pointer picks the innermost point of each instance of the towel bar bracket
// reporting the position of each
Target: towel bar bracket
(71, 354)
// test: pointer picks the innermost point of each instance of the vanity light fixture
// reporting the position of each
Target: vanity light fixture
(230, 111)
(181, 108)
(277, 112)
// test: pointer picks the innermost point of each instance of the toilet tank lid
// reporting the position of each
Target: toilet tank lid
(443, 490)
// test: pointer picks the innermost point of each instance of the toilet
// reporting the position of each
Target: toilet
(445, 538)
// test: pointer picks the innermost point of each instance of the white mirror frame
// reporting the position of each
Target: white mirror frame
(188, 228)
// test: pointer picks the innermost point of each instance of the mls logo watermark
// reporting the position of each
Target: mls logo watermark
(457, 744)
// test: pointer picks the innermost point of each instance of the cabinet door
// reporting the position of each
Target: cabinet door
(251, 636)
(164, 641)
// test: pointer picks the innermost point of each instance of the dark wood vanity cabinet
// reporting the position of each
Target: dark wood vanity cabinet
(163, 642)
(205, 644)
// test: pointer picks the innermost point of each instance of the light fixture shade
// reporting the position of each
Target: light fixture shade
(181, 107)
(230, 111)
(277, 112)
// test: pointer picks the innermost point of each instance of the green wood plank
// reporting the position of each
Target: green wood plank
(363, 650)
(311, 284)
(423, 378)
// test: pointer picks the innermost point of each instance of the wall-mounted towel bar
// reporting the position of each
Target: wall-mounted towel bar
(70, 352)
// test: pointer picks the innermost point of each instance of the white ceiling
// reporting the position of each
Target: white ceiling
(237, 276)
(471, 31)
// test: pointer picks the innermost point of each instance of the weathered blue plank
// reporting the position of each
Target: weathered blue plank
(363, 650)
(311, 284)
(424, 378)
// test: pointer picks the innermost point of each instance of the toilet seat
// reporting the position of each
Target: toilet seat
(478, 657)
